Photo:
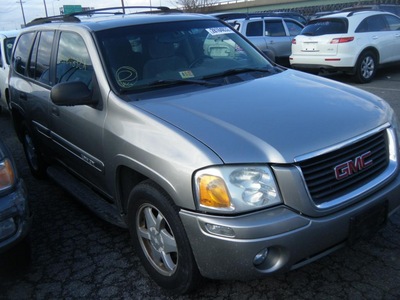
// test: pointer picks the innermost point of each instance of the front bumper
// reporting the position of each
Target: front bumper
(292, 239)
(15, 217)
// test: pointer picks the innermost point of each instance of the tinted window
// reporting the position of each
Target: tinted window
(254, 29)
(394, 23)
(73, 61)
(22, 50)
(373, 23)
(293, 27)
(40, 59)
(325, 26)
(274, 28)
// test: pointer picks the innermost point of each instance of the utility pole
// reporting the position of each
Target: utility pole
(45, 8)
(22, 9)
(123, 6)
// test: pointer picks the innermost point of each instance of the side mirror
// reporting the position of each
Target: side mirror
(72, 93)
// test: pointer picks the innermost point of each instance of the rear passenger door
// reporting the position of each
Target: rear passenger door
(276, 38)
(31, 88)
(77, 131)
(254, 31)
(375, 30)
(394, 27)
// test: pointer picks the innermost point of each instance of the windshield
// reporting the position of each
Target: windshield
(139, 57)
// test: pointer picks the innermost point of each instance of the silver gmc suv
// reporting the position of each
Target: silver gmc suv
(221, 164)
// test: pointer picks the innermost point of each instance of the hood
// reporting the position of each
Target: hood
(272, 119)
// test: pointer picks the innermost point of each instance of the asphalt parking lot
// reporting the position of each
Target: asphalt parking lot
(75, 255)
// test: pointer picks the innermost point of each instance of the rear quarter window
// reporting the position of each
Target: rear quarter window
(326, 26)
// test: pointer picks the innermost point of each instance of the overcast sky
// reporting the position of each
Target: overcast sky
(11, 13)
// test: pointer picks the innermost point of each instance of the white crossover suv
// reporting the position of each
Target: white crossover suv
(357, 43)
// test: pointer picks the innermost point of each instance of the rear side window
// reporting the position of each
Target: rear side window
(293, 27)
(39, 65)
(326, 26)
(394, 23)
(22, 50)
(373, 23)
(254, 29)
(274, 28)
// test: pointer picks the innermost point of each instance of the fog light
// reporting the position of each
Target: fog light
(220, 230)
(7, 228)
(260, 257)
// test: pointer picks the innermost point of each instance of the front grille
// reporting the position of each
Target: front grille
(319, 172)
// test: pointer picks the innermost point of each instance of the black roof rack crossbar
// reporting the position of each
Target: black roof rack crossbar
(72, 17)
(104, 10)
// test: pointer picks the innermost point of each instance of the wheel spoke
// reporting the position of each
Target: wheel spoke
(144, 233)
(169, 242)
(150, 218)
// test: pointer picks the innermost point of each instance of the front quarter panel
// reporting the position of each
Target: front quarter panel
(155, 149)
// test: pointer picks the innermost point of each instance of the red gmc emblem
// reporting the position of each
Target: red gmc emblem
(350, 167)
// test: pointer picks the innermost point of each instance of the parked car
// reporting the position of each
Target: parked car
(272, 35)
(394, 9)
(357, 43)
(289, 14)
(6, 43)
(15, 216)
(221, 164)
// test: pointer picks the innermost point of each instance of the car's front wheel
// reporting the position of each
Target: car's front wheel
(366, 67)
(160, 240)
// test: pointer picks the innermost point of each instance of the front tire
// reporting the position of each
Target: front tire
(366, 67)
(160, 240)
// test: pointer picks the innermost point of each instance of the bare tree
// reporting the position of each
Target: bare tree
(199, 6)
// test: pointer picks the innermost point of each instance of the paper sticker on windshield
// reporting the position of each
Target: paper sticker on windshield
(186, 74)
(219, 30)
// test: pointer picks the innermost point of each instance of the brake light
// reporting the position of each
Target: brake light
(294, 41)
(342, 40)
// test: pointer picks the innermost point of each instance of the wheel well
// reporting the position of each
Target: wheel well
(17, 120)
(373, 50)
(127, 179)
(6, 92)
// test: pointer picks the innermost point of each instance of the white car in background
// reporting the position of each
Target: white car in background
(7, 39)
(357, 43)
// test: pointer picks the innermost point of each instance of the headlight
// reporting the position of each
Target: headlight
(7, 176)
(236, 189)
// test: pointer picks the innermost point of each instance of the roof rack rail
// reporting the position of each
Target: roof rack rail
(72, 17)
(59, 18)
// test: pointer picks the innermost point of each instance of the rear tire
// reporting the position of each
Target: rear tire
(160, 240)
(366, 67)
(36, 163)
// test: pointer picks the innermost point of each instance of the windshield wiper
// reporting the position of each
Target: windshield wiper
(169, 82)
(237, 71)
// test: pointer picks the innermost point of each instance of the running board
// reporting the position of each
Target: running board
(86, 196)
